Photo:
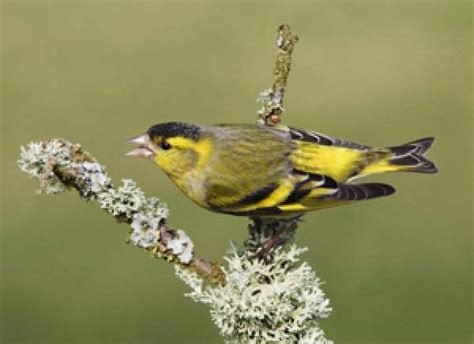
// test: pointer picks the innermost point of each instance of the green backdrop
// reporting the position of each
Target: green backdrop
(397, 270)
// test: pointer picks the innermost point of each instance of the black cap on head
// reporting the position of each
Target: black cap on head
(172, 129)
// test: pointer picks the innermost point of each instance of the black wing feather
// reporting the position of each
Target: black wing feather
(302, 190)
(258, 195)
(310, 136)
(356, 192)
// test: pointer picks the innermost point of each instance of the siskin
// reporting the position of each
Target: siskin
(261, 171)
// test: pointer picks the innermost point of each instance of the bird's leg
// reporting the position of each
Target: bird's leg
(271, 234)
(274, 241)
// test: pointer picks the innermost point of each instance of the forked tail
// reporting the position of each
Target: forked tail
(404, 158)
(410, 156)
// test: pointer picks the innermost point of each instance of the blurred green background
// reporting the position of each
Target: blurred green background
(397, 270)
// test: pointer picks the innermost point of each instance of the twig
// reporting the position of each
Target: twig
(268, 235)
(60, 165)
(272, 99)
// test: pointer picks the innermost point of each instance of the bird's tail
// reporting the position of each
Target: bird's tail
(408, 157)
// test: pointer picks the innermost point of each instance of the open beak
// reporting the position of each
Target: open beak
(144, 147)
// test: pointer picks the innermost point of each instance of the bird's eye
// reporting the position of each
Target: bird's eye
(165, 145)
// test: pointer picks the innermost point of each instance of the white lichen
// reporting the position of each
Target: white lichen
(96, 180)
(126, 200)
(145, 231)
(145, 214)
(263, 302)
(38, 159)
(182, 246)
(280, 41)
(270, 101)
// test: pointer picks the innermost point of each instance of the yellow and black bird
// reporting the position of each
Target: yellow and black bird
(261, 171)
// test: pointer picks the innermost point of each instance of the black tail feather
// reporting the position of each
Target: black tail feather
(411, 156)
(356, 192)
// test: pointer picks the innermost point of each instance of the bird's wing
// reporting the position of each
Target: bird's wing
(321, 139)
(330, 193)
(300, 192)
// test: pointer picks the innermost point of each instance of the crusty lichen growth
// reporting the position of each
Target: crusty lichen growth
(272, 99)
(279, 301)
(59, 165)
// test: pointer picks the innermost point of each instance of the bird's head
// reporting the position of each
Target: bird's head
(177, 148)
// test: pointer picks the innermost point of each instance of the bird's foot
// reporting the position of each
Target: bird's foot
(282, 234)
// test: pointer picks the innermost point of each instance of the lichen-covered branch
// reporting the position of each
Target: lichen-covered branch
(60, 165)
(272, 98)
(265, 302)
(266, 235)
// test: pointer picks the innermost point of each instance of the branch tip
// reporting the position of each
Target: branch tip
(272, 99)
(60, 165)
